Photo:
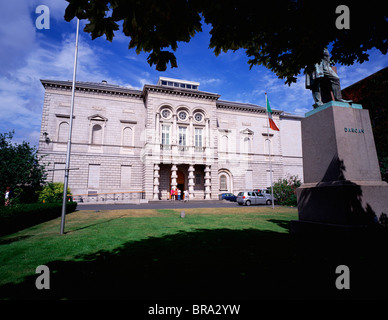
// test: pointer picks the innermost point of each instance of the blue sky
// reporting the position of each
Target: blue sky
(29, 54)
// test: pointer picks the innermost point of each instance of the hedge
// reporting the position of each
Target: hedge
(21, 216)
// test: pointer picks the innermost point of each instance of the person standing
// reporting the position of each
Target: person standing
(8, 196)
(179, 194)
(186, 194)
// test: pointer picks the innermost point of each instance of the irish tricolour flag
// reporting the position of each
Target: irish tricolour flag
(272, 124)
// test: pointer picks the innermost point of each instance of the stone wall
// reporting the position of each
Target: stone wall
(118, 130)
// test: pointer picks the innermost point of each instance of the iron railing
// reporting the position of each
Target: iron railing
(108, 196)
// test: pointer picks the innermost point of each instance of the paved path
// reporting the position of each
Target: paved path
(160, 205)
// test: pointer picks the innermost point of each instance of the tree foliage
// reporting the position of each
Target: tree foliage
(20, 168)
(285, 190)
(53, 192)
(286, 36)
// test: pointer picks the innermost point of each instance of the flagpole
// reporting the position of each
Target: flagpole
(67, 165)
(269, 153)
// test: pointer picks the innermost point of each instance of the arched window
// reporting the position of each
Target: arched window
(267, 150)
(225, 179)
(97, 134)
(127, 137)
(247, 145)
(224, 143)
(63, 132)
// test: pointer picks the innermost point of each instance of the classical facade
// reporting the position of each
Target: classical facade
(169, 135)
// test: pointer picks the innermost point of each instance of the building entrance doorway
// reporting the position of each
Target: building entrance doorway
(180, 183)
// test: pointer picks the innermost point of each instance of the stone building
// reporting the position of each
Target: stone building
(164, 136)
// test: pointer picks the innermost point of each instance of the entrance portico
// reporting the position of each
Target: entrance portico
(196, 178)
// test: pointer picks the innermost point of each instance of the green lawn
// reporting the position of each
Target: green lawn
(211, 253)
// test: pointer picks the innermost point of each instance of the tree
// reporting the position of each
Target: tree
(20, 168)
(286, 36)
(53, 192)
(285, 190)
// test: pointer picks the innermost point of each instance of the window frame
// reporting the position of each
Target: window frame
(166, 134)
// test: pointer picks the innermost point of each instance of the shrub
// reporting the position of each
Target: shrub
(285, 190)
(20, 169)
(52, 193)
(18, 217)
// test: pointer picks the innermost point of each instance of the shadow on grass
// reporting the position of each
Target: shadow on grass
(93, 224)
(217, 264)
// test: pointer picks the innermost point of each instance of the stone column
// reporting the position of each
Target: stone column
(206, 133)
(157, 142)
(174, 175)
(174, 135)
(191, 138)
(156, 181)
(157, 129)
(207, 183)
(174, 130)
(191, 181)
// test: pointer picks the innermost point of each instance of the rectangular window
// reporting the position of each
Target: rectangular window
(165, 134)
(198, 137)
(126, 172)
(94, 176)
(182, 136)
(223, 183)
(197, 178)
(59, 172)
(249, 179)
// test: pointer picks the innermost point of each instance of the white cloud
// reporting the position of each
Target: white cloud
(301, 111)
(210, 81)
(21, 93)
(356, 72)
(17, 34)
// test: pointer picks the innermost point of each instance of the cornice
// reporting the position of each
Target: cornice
(115, 90)
(244, 107)
(91, 87)
(179, 92)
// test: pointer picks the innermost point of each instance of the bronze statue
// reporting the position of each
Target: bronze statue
(324, 82)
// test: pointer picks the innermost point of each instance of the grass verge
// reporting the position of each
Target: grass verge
(211, 253)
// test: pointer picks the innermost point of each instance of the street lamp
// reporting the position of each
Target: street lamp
(67, 165)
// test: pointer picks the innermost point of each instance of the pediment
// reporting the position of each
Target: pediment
(98, 117)
(247, 131)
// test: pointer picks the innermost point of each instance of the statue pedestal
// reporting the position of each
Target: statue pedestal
(342, 182)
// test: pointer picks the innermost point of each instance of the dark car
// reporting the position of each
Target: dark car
(227, 196)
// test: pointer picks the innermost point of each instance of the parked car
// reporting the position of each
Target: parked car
(266, 193)
(227, 196)
(251, 197)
